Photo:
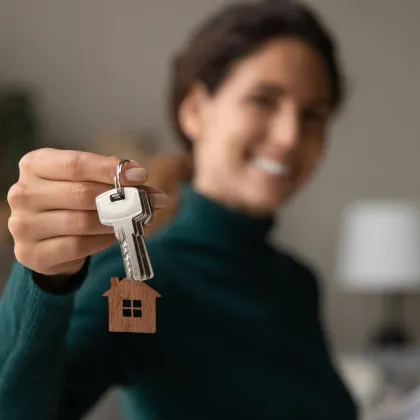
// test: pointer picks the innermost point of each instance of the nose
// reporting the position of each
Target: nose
(286, 127)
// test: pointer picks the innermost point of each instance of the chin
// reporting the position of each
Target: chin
(272, 186)
(265, 201)
(268, 193)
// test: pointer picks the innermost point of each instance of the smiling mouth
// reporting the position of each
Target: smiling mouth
(272, 167)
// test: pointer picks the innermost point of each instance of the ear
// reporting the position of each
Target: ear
(191, 112)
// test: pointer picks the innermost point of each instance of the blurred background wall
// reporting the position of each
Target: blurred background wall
(96, 65)
(100, 67)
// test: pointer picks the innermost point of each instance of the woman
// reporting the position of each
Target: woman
(239, 333)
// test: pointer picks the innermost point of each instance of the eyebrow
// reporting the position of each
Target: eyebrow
(278, 90)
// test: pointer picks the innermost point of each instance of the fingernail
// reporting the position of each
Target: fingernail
(136, 174)
(159, 200)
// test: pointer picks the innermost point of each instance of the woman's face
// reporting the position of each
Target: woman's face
(262, 135)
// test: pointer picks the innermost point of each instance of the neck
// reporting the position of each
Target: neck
(207, 219)
(228, 200)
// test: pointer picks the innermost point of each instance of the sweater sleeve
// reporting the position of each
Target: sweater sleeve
(57, 356)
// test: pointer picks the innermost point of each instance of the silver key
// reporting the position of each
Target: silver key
(128, 210)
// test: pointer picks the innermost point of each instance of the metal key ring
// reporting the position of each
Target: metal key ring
(117, 180)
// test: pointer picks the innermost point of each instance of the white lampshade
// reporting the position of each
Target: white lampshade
(379, 246)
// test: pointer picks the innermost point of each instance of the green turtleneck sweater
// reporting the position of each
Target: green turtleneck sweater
(238, 335)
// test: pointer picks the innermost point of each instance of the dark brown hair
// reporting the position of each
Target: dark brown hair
(237, 31)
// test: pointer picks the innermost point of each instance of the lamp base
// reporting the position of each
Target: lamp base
(391, 337)
(392, 333)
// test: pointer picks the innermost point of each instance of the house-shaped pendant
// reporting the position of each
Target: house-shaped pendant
(131, 306)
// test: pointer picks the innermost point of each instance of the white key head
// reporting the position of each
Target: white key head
(122, 210)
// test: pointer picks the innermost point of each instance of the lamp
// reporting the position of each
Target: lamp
(379, 252)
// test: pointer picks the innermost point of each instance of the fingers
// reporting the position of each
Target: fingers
(72, 165)
(63, 195)
(51, 224)
(68, 268)
(54, 219)
(40, 226)
(46, 256)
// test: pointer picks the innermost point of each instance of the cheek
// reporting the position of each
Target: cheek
(236, 130)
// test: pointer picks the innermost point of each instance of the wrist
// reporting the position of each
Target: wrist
(61, 283)
(53, 284)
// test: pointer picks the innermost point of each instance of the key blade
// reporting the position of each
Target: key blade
(147, 207)
(145, 266)
(126, 253)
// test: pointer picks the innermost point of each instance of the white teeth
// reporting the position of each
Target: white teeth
(271, 166)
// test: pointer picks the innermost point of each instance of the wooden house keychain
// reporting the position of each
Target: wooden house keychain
(131, 302)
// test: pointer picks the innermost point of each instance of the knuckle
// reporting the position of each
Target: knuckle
(72, 164)
(16, 194)
(17, 226)
(80, 193)
(23, 254)
(26, 161)
(42, 257)
(80, 221)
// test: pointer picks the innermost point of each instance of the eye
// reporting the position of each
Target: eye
(263, 102)
(313, 116)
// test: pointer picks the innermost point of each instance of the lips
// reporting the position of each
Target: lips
(272, 167)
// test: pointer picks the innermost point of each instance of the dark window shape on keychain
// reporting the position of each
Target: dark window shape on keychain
(132, 308)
